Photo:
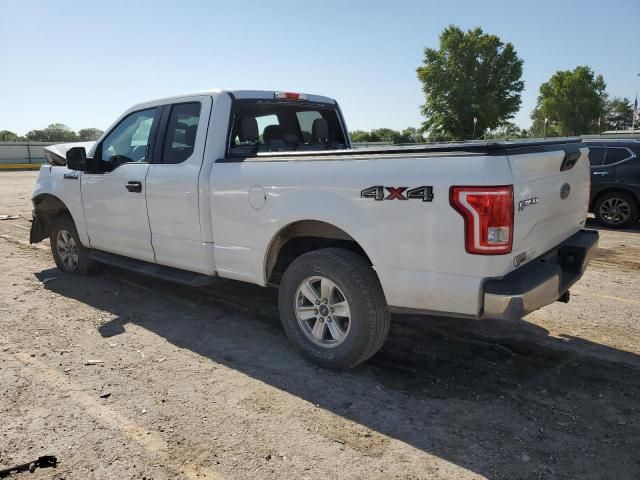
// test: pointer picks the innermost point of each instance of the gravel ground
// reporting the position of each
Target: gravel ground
(122, 376)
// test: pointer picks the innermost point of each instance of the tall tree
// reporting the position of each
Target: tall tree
(471, 75)
(572, 101)
(8, 136)
(86, 134)
(618, 114)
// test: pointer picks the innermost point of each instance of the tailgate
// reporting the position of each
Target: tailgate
(551, 194)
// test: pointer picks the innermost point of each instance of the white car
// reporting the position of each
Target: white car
(263, 187)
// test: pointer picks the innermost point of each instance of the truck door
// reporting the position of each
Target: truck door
(113, 199)
(601, 175)
(173, 186)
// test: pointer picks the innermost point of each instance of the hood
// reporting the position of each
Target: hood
(57, 154)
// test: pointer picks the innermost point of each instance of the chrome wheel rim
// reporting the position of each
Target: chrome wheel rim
(322, 312)
(67, 250)
(615, 210)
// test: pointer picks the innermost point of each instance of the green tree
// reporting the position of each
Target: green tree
(506, 132)
(572, 101)
(8, 136)
(359, 136)
(618, 114)
(382, 135)
(472, 74)
(409, 135)
(86, 134)
(56, 132)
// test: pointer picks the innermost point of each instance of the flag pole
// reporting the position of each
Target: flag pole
(635, 114)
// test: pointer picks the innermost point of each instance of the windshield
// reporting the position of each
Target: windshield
(260, 126)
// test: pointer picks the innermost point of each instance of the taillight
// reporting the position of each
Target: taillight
(488, 218)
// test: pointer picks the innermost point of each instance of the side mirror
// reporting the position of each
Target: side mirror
(77, 159)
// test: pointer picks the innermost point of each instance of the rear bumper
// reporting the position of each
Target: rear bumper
(542, 281)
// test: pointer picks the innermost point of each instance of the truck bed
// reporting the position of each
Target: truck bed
(435, 149)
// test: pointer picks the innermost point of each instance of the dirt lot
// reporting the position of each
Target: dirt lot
(201, 383)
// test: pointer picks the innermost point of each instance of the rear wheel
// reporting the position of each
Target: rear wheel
(332, 308)
(69, 254)
(616, 210)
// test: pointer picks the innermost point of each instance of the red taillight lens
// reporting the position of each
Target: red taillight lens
(488, 218)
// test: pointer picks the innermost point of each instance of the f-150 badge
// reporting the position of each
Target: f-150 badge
(380, 193)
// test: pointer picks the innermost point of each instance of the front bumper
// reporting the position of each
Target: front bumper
(542, 281)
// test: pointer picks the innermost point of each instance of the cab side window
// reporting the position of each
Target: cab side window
(182, 128)
(129, 141)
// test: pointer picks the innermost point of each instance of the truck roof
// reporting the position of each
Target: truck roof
(237, 94)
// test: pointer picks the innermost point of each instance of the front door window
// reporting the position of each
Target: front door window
(129, 141)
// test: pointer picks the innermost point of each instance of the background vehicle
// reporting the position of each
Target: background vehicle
(615, 181)
(262, 187)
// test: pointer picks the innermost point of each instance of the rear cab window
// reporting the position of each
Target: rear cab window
(262, 126)
(182, 128)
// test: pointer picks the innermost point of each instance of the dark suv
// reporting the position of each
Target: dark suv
(615, 181)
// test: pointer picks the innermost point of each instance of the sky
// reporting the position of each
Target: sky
(82, 63)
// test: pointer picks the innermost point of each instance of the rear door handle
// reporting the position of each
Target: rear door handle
(134, 186)
(601, 173)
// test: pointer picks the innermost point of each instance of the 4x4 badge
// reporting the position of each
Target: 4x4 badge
(398, 193)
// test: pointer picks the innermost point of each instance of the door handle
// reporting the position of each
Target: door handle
(601, 173)
(134, 186)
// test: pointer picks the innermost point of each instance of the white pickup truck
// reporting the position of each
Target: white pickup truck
(263, 187)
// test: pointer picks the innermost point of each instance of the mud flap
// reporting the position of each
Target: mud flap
(38, 230)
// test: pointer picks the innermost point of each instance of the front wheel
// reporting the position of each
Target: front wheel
(332, 308)
(616, 210)
(69, 254)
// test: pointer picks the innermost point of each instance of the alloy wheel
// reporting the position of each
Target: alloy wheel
(322, 311)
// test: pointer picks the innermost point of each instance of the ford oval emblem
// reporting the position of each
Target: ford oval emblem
(565, 190)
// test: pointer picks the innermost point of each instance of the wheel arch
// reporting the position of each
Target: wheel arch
(302, 236)
(46, 207)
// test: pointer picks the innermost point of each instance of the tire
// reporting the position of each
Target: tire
(333, 276)
(68, 252)
(616, 210)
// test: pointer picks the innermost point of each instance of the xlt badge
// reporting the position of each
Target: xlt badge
(525, 203)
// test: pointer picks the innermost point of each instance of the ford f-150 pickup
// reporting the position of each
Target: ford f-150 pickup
(264, 187)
